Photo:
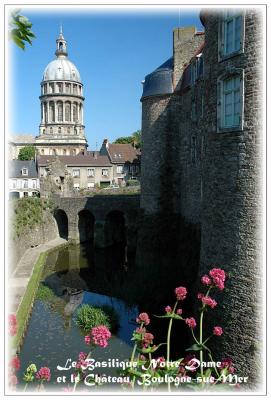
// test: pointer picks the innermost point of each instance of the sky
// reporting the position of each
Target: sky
(112, 49)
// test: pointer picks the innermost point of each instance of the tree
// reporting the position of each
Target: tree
(135, 138)
(20, 29)
(27, 153)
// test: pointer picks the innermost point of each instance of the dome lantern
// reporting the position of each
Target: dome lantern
(61, 45)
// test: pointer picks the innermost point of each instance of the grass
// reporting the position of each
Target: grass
(88, 317)
(25, 306)
(45, 293)
(24, 310)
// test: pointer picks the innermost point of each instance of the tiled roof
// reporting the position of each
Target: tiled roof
(16, 166)
(122, 153)
(29, 139)
(78, 160)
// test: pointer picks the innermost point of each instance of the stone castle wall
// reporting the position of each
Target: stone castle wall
(211, 201)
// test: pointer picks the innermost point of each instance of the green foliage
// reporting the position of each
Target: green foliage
(132, 182)
(27, 153)
(28, 212)
(20, 29)
(134, 138)
(88, 317)
(44, 293)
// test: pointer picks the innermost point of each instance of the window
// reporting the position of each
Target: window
(59, 129)
(67, 88)
(119, 169)
(76, 186)
(60, 111)
(231, 33)
(51, 87)
(90, 171)
(25, 171)
(59, 87)
(67, 112)
(74, 89)
(90, 185)
(14, 184)
(104, 172)
(230, 105)
(45, 89)
(34, 183)
(25, 184)
(193, 149)
(51, 130)
(76, 172)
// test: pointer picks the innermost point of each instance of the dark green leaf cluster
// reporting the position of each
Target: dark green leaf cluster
(20, 29)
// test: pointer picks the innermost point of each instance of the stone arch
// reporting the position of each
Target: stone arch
(86, 221)
(115, 227)
(62, 223)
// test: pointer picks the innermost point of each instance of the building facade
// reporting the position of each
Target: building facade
(125, 160)
(202, 140)
(23, 179)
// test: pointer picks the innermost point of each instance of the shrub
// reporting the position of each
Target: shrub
(132, 182)
(88, 317)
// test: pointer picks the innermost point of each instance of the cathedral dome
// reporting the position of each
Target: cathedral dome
(61, 69)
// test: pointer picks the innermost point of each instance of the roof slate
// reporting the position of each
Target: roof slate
(122, 153)
(16, 166)
(78, 160)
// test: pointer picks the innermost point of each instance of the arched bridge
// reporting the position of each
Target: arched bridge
(105, 220)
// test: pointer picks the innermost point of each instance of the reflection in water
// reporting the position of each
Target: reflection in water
(77, 275)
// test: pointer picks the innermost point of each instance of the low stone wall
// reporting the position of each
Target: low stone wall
(33, 237)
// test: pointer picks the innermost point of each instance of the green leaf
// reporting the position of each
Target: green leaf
(195, 347)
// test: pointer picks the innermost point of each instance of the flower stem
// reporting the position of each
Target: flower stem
(133, 355)
(200, 342)
(25, 386)
(168, 338)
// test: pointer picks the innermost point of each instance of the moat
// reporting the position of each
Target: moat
(52, 336)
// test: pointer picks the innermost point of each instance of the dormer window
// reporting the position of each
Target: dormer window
(24, 171)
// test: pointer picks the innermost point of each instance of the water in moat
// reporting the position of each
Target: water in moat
(52, 335)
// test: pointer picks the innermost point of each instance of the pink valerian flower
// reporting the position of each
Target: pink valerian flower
(209, 301)
(15, 363)
(191, 322)
(82, 355)
(44, 374)
(218, 277)
(142, 357)
(181, 293)
(179, 311)
(205, 280)
(143, 318)
(87, 339)
(100, 335)
(227, 363)
(147, 339)
(168, 309)
(200, 296)
(12, 324)
(13, 380)
(217, 331)
(141, 331)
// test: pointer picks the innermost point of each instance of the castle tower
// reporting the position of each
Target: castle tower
(61, 130)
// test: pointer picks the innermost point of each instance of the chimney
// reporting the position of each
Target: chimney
(105, 143)
(185, 43)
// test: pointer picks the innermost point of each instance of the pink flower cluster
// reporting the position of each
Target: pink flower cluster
(15, 363)
(44, 374)
(147, 339)
(216, 277)
(181, 293)
(13, 379)
(12, 324)
(217, 331)
(191, 322)
(168, 309)
(143, 318)
(179, 311)
(98, 336)
(228, 363)
(81, 361)
(209, 301)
